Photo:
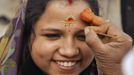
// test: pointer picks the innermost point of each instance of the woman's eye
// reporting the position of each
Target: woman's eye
(52, 36)
(81, 37)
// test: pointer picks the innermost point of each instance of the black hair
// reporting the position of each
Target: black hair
(34, 10)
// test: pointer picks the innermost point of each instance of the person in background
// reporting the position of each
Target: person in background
(128, 63)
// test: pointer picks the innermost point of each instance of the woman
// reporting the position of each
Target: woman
(56, 41)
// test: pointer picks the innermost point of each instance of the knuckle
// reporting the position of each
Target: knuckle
(90, 41)
(128, 38)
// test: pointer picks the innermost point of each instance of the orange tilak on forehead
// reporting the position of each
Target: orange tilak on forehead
(70, 20)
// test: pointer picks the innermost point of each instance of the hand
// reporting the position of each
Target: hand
(109, 50)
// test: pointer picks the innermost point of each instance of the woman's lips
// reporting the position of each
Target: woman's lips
(67, 65)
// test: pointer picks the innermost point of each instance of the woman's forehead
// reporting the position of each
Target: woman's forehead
(68, 4)
(62, 8)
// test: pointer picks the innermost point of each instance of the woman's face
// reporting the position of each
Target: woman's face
(58, 45)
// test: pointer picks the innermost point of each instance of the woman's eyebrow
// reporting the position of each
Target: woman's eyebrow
(51, 29)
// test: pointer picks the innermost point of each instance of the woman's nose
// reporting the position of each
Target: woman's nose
(69, 48)
(69, 52)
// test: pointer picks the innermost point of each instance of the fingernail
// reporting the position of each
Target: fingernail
(86, 31)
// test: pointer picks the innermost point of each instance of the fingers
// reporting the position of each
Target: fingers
(100, 27)
(92, 39)
(88, 16)
(98, 20)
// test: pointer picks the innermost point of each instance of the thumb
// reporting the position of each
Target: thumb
(93, 40)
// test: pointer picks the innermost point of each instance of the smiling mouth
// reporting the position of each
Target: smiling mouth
(67, 66)
(66, 63)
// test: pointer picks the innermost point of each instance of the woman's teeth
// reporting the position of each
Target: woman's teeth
(66, 63)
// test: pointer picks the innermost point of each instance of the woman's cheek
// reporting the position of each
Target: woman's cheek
(40, 48)
(43, 48)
